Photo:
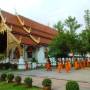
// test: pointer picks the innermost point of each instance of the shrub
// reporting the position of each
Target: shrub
(72, 85)
(3, 77)
(7, 65)
(10, 77)
(14, 66)
(18, 79)
(28, 81)
(47, 82)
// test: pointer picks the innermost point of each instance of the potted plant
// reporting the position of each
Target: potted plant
(28, 81)
(18, 80)
(72, 85)
(10, 77)
(3, 77)
(47, 83)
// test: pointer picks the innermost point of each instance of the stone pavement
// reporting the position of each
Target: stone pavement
(58, 79)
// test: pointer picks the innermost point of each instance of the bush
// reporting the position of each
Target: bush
(18, 79)
(10, 77)
(3, 77)
(72, 85)
(28, 81)
(14, 66)
(46, 82)
(7, 65)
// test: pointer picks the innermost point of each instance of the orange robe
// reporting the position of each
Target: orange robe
(76, 65)
(67, 67)
(59, 67)
(87, 63)
(48, 66)
(81, 64)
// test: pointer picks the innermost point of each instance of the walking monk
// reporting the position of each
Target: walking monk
(48, 65)
(76, 64)
(67, 66)
(59, 66)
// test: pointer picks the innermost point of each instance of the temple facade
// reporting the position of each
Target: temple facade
(25, 38)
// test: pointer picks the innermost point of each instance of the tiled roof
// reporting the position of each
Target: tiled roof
(45, 33)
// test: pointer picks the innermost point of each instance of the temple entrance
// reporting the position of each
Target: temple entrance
(3, 44)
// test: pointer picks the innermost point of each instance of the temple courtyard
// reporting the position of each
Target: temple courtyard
(59, 80)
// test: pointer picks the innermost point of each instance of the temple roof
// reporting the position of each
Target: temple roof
(45, 33)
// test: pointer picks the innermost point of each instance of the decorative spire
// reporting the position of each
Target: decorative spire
(3, 26)
(27, 30)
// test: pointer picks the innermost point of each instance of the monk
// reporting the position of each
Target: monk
(59, 66)
(83, 63)
(48, 65)
(80, 64)
(67, 67)
(76, 65)
(88, 63)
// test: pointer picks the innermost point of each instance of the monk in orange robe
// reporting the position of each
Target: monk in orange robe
(48, 65)
(59, 66)
(83, 63)
(76, 64)
(80, 64)
(88, 64)
(67, 66)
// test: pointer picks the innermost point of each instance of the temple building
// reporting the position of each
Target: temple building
(20, 36)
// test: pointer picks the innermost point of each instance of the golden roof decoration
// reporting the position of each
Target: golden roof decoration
(27, 30)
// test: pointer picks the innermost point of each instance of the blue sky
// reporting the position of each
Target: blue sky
(47, 11)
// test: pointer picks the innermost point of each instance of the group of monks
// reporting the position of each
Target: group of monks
(81, 64)
(78, 64)
(60, 66)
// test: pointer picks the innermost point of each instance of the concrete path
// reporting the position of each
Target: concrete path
(58, 79)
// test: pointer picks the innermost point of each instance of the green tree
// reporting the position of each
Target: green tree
(65, 41)
(87, 19)
(59, 26)
(85, 35)
(72, 25)
(59, 46)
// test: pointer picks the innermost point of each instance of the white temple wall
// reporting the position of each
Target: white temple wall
(39, 54)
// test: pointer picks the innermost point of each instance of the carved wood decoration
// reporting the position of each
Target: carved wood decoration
(27, 30)
(12, 41)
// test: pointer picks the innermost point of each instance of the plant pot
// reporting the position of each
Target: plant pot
(47, 88)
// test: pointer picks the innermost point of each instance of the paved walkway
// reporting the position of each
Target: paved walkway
(58, 79)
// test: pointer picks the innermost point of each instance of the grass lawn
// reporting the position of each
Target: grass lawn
(13, 86)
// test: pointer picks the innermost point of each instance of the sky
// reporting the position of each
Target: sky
(47, 12)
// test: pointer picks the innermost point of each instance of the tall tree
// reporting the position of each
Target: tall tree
(87, 19)
(65, 41)
(59, 26)
(72, 25)
(59, 46)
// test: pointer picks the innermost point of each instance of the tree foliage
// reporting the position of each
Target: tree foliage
(65, 41)
(68, 40)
